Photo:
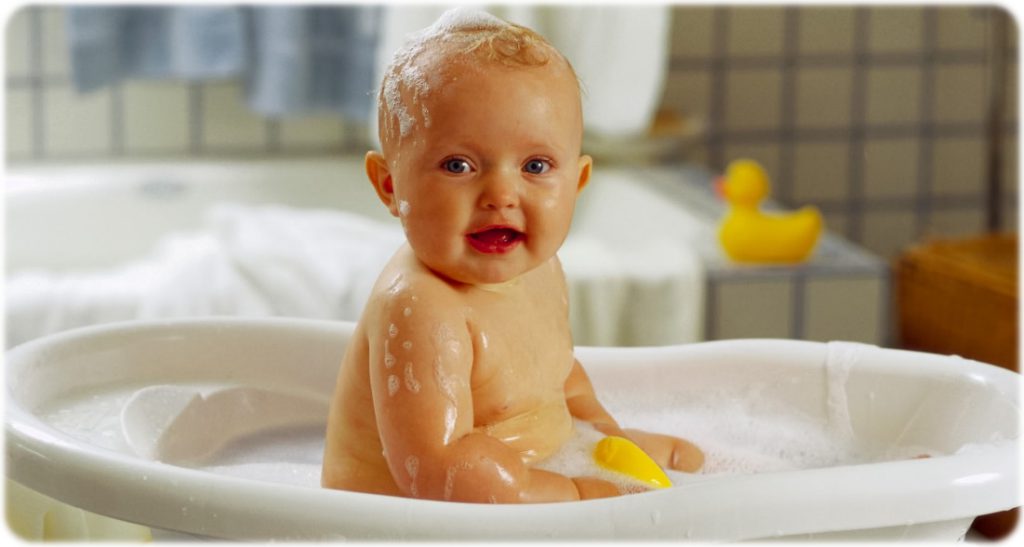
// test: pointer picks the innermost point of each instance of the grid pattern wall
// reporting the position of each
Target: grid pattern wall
(876, 114)
(48, 120)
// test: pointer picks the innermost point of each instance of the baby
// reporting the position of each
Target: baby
(460, 378)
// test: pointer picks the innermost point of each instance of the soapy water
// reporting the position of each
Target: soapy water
(575, 459)
(740, 430)
(733, 429)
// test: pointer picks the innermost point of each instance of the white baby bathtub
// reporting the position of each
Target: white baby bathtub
(803, 439)
(72, 231)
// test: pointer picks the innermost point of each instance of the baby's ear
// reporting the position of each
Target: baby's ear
(585, 165)
(380, 176)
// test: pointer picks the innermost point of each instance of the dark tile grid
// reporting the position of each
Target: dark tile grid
(42, 79)
(778, 145)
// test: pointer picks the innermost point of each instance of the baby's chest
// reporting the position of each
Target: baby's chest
(519, 365)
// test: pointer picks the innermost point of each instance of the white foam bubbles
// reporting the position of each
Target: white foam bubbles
(576, 459)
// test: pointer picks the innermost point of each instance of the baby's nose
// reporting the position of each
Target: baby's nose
(499, 192)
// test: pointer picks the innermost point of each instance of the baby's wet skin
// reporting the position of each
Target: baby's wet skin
(460, 375)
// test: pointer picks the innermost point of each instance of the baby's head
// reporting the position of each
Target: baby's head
(462, 40)
(480, 127)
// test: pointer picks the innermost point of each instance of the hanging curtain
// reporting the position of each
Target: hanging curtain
(293, 60)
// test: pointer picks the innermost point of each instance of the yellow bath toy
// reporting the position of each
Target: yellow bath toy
(749, 235)
(622, 456)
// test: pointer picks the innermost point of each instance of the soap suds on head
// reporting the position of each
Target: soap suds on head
(459, 31)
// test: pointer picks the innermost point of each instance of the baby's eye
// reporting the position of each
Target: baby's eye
(537, 166)
(457, 166)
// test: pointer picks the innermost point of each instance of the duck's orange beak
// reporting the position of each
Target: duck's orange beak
(719, 186)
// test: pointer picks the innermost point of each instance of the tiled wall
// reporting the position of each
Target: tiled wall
(876, 114)
(47, 120)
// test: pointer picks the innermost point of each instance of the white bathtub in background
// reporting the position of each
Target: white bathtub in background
(823, 437)
(85, 242)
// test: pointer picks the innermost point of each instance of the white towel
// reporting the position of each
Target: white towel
(275, 260)
(306, 263)
(249, 261)
(650, 294)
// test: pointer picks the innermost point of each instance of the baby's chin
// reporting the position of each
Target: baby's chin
(486, 276)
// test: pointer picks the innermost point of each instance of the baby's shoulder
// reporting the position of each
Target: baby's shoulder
(413, 296)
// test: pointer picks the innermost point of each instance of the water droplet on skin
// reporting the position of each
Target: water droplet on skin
(389, 360)
(407, 312)
(407, 345)
(449, 483)
(393, 384)
(411, 383)
(392, 330)
(412, 466)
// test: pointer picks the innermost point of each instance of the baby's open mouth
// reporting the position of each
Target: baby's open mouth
(498, 239)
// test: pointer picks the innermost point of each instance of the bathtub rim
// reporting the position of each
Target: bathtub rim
(33, 445)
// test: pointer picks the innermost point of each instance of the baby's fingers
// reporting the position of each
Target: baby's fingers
(668, 451)
(591, 488)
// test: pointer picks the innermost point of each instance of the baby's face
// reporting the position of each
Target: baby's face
(486, 182)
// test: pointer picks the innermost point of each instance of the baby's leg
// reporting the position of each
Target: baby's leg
(668, 451)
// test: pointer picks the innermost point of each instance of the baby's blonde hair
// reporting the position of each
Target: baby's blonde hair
(462, 34)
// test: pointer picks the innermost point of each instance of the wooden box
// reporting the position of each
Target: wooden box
(960, 297)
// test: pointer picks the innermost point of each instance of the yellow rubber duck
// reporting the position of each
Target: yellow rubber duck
(621, 455)
(749, 235)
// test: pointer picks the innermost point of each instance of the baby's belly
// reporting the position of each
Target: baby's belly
(535, 434)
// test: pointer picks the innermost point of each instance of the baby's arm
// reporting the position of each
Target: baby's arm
(669, 452)
(421, 360)
(583, 403)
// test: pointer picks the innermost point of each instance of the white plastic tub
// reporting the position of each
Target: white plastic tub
(832, 429)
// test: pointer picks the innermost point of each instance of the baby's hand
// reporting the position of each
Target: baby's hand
(591, 488)
(669, 452)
